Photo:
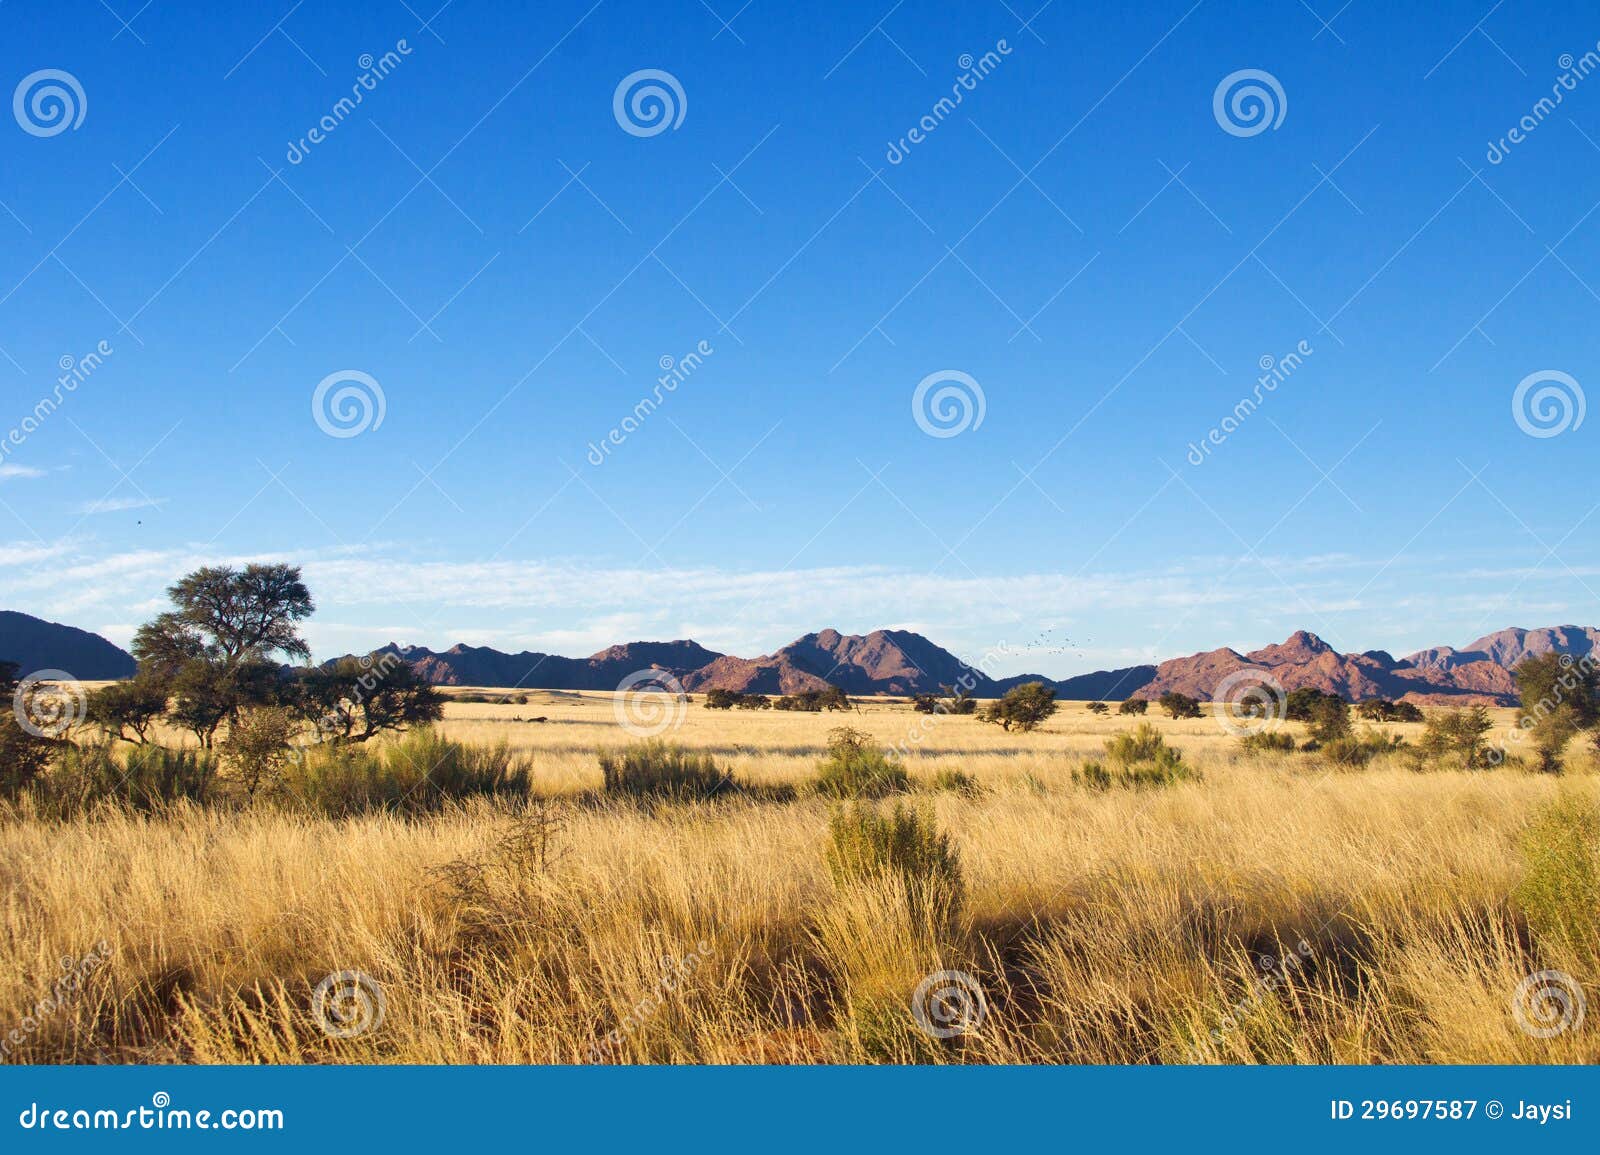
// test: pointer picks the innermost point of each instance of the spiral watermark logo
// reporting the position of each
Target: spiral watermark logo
(1548, 1003)
(1250, 701)
(1547, 403)
(1248, 102)
(649, 703)
(948, 403)
(648, 102)
(49, 703)
(348, 403)
(949, 1003)
(48, 102)
(348, 1004)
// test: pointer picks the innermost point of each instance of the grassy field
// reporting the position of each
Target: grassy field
(1272, 911)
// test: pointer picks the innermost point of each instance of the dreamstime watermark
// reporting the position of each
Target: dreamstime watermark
(1250, 701)
(48, 102)
(161, 1115)
(1547, 403)
(74, 372)
(675, 371)
(373, 70)
(75, 972)
(1274, 974)
(649, 102)
(674, 977)
(1275, 371)
(49, 703)
(1572, 71)
(1248, 102)
(1548, 1003)
(357, 405)
(348, 1004)
(972, 71)
(1576, 673)
(949, 1003)
(956, 405)
(650, 702)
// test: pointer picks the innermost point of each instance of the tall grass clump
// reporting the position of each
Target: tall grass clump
(657, 769)
(856, 767)
(142, 778)
(905, 844)
(1560, 891)
(421, 773)
(1137, 759)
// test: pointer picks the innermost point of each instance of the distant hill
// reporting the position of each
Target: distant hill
(35, 644)
(899, 662)
(1479, 673)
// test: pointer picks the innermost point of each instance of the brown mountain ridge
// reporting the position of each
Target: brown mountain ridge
(901, 662)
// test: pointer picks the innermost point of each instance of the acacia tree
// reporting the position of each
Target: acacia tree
(355, 699)
(1560, 696)
(1022, 708)
(24, 754)
(217, 650)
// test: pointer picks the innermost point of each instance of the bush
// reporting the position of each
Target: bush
(954, 701)
(1354, 751)
(656, 769)
(1455, 740)
(1023, 707)
(719, 699)
(1098, 708)
(958, 782)
(1136, 706)
(1179, 705)
(144, 778)
(1383, 710)
(1560, 893)
(814, 701)
(1267, 742)
(257, 746)
(1329, 720)
(753, 702)
(857, 768)
(864, 845)
(1301, 704)
(1138, 759)
(422, 773)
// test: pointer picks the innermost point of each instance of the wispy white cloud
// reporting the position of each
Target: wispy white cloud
(10, 471)
(119, 504)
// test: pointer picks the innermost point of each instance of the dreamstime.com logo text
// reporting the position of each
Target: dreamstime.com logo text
(74, 372)
(373, 70)
(674, 373)
(160, 1115)
(972, 71)
(1275, 371)
(1572, 71)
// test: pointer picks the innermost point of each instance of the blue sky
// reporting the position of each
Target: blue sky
(1081, 237)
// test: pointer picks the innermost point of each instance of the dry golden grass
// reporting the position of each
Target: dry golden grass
(1103, 927)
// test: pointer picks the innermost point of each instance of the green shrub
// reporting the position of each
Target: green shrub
(1179, 705)
(958, 782)
(657, 769)
(864, 844)
(857, 768)
(1138, 759)
(1134, 706)
(1356, 751)
(421, 773)
(143, 778)
(1560, 892)
(1456, 740)
(1267, 742)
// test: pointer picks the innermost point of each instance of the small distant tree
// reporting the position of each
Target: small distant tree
(1456, 739)
(752, 701)
(1383, 710)
(1134, 706)
(1098, 708)
(128, 709)
(720, 699)
(1179, 705)
(356, 699)
(1301, 704)
(815, 701)
(925, 703)
(1022, 708)
(1560, 697)
(1330, 720)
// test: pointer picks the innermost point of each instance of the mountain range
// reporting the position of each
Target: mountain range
(900, 662)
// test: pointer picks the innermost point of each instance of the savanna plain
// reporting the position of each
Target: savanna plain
(1257, 907)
